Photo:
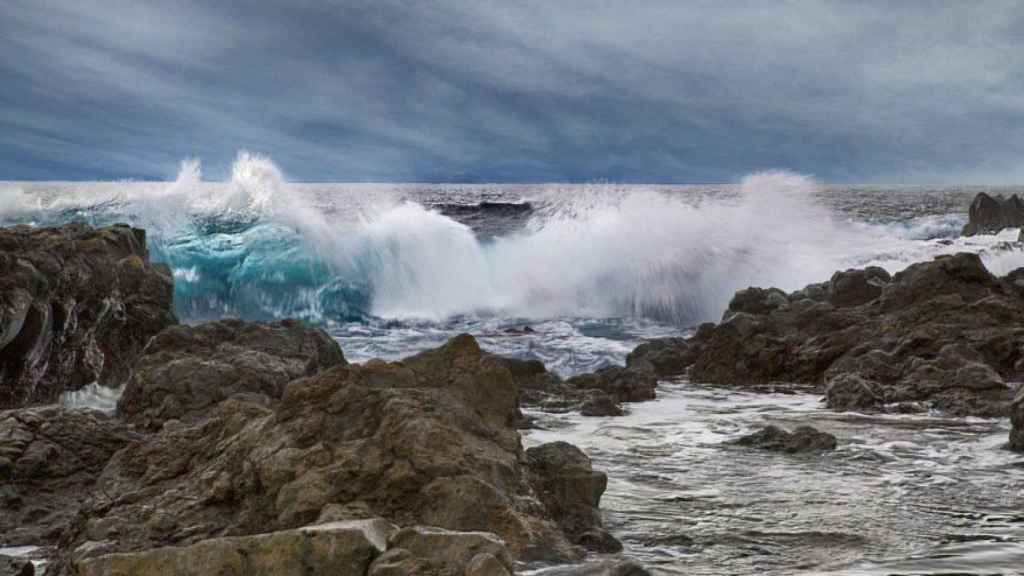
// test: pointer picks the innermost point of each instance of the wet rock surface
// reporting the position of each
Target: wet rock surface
(991, 214)
(801, 439)
(77, 305)
(946, 334)
(429, 440)
(50, 458)
(186, 370)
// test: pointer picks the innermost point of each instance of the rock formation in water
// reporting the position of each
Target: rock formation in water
(802, 439)
(429, 440)
(945, 334)
(990, 215)
(77, 304)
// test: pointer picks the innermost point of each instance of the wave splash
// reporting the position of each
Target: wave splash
(259, 248)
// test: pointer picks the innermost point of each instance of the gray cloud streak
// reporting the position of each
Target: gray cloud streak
(521, 91)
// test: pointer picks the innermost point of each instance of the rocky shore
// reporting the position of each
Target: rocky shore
(256, 448)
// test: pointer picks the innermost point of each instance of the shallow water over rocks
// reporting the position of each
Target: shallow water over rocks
(902, 494)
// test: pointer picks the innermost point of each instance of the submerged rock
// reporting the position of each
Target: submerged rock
(601, 404)
(990, 215)
(50, 458)
(802, 439)
(945, 333)
(1017, 421)
(185, 370)
(429, 440)
(337, 548)
(77, 305)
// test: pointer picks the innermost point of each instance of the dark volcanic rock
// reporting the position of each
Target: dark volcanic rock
(10, 566)
(429, 440)
(802, 439)
(571, 491)
(77, 304)
(946, 333)
(989, 215)
(186, 370)
(600, 404)
(622, 384)
(664, 357)
(50, 458)
(1017, 420)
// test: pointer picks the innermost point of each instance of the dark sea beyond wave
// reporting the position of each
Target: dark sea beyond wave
(390, 270)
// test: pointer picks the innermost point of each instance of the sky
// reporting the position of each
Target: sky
(648, 91)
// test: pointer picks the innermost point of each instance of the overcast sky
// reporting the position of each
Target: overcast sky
(472, 90)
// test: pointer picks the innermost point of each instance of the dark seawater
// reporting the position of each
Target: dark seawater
(390, 270)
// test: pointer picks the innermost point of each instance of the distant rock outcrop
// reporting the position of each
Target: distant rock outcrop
(77, 304)
(990, 215)
(945, 334)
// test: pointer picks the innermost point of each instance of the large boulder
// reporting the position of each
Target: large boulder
(1017, 422)
(801, 439)
(944, 334)
(185, 370)
(77, 305)
(50, 458)
(429, 440)
(990, 215)
(431, 551)
(622, 384)
(571, 491)
(337, 548)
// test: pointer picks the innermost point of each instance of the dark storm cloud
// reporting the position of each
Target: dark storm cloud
(461, 90)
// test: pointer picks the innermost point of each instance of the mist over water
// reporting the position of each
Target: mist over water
(258, 247)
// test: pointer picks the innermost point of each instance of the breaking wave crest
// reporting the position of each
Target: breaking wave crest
(257, 247)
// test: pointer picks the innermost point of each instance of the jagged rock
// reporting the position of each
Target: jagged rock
(802, 439)
(1017, 421)
(944, 334)
(187, 369)
(436, 552)
(664, 357)
(49, 460)
(11, 566)
(622, 384)
(571, 491)
(600, 404)
(990, 215)
(77, 304)
(337, 548)
(429, 440)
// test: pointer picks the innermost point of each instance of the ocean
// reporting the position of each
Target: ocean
(593, 270)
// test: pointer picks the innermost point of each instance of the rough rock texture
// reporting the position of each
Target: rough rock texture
(429, 440)
(185, 370)
(594, 394)
(802, 439)
(1017, 420)
(337, 548)
(946, 334)
(77, 304)
(49, 460)
(428, 551)
(607, 568)
(571, 491)
(10, 566)
(989, 215)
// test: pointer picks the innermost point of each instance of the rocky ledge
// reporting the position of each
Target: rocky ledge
(943, 334)
(426, 441)
(990, 215)
(77, 304)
